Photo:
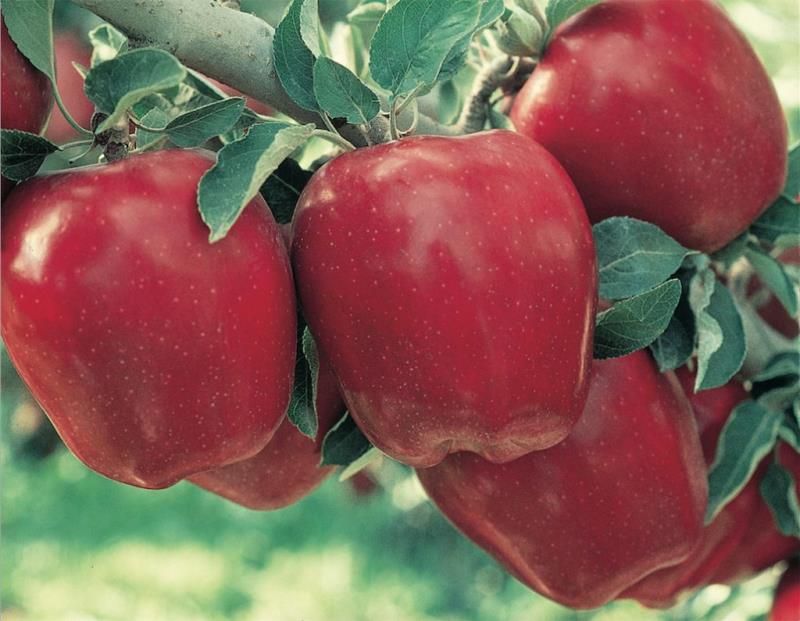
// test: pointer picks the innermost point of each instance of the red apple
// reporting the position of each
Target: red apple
(762, 545)
(720, 539)
(156, 354)
(660, 110)
(450, 283)
(621, 497)
(25, 93)
(288, 468)
(786, 606)
(68, 49)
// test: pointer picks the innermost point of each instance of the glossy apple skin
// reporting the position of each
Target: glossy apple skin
(786, 606)
(622, 496)
(26, 96)
(288, 468)
(68, 49)
(451, 284)
(155, 354)
(719, 540)
(762, 544)
(641, 101)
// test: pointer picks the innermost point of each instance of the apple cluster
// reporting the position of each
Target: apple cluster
(451, 288)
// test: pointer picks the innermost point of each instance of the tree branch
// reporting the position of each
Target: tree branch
(230, 46)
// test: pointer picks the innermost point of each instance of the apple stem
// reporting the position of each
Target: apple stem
(328, 123)
(334, 138)
(503, 72)
(67, 116)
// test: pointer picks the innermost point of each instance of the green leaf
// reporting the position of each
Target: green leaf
(791, 189)
(283, 188)
(294, 51)
(559, 11)
(117, 84)
(520, 33)
(241, 169)
(777, 386)
(748, 435)
(341, 94)
(491, 11)
(789, 430)
(204, 86)
(302, 409)
(344, 444)
(780, 224)
(30, 26)
(634, 323)
(22, 153)
(721, 346)
(674, 347)
(366, 14)
(779, 492)
(415, 37)
(732, 252)
(455, 60)
(450, 102)
(633, 256)
(155, 118)
(778, 396)
(371, 456)
(107, 43)
(498, 120)
(197, 126)
(774, 277)
(781, 365)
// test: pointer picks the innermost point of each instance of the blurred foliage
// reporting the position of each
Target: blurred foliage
(78, 547)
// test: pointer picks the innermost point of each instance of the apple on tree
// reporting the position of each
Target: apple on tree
(721, 538)
(288, 468)
(622, 496)
(660, 110)
(155, 354)
(451, 283)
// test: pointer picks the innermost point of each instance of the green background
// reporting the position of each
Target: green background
(78, 547)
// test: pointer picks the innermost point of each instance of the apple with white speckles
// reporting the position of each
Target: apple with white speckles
(622, 496)
(288, 468)
(156, 354)
(451, 284)
(660, 110)
(723, 536)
